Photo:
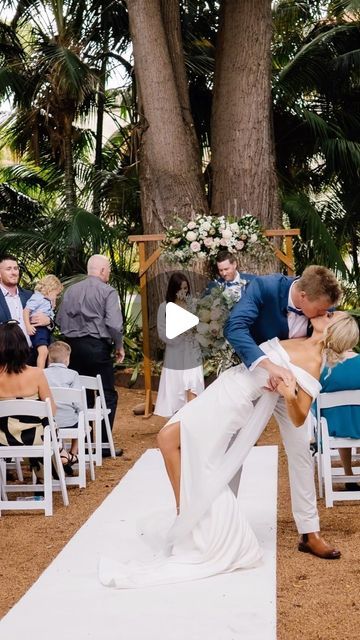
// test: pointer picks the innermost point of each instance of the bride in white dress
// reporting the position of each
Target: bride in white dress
(209, 535)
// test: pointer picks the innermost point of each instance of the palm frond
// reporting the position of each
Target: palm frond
(314, 233)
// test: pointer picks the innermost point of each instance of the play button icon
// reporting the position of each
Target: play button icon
(178, 320)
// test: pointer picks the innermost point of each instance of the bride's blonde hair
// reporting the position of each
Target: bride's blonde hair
(339, 337)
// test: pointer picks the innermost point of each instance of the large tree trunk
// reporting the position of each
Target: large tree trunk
(170, 177)
(243, 159)
(171, 181)
(172, 25)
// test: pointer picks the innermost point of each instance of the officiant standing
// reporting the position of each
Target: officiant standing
(278, 306)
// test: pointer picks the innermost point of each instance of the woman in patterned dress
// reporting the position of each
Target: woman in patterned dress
(20, 381)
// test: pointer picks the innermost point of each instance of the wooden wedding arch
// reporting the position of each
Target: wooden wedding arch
(286, 257)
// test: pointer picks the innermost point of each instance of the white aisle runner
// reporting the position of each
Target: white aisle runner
(68, 603)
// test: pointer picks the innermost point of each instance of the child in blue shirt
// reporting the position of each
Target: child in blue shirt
(43, 299)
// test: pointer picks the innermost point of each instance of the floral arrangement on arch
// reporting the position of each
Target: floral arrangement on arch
(205, 236)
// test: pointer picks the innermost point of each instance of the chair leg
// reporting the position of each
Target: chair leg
(98, 434)
(3, 494)
(327, 465)
(60, 472)
(48, 496)
(109, 432)
(90, 451)
(19, 472)
(81, 451)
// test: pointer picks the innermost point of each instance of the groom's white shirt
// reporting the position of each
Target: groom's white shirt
(297, 324)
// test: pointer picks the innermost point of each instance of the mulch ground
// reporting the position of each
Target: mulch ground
(317, 599)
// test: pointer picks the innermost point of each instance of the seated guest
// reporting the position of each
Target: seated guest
(229, 276)
(59, 375)
(43, 299)
(18, 381)
(343, 421)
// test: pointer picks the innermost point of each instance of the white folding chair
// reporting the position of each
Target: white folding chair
(328, 446)
(98, 413)
(77, 398)
(49, 446)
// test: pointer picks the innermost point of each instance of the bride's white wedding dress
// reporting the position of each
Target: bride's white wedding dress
(211, 535)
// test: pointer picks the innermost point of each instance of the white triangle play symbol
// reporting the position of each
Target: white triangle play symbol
(178, 320)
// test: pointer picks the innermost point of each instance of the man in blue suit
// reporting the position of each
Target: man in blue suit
(280, 306)
(13, 298)
(230, 277)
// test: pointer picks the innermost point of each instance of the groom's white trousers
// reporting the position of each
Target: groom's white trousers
(301, 470)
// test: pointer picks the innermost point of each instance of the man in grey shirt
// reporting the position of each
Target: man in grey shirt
(90, 320)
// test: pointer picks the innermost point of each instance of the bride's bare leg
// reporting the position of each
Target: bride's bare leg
(169, 445)
(190, 395)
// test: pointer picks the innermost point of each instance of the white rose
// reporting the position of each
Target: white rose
(224, 242)
(215, 314)
(191, 224)
(206, 226)
(204, 342)
(216, 241)
(214, 328)
(205, 315)
(191, 236)
(202, 328)
(234, 227)
(208, 242)
(227, 233)
(253, 237)
(195, 247)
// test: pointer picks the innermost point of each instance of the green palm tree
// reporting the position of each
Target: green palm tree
(317, 129)
(45, 73)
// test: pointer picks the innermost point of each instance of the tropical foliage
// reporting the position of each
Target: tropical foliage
(68, 190)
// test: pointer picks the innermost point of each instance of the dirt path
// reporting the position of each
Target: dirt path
(317, 599)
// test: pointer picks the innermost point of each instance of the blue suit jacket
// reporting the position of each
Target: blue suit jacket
(261, 314)
(24, 295)
(216, 283)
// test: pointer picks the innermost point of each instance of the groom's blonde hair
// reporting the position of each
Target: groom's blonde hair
(318, 282)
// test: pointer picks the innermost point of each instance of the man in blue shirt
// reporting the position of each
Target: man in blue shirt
(230, 278)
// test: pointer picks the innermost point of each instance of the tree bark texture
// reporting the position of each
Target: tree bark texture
(170, 176)
(172, 25)
(243, 159)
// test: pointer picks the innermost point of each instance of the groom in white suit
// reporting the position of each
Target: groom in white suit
(280, 306)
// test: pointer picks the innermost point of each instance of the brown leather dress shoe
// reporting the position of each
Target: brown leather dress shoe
(315, 544)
